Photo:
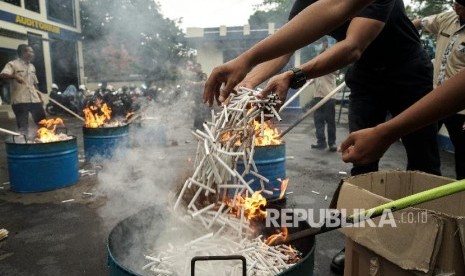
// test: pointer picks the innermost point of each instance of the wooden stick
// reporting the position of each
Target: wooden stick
(67, 109)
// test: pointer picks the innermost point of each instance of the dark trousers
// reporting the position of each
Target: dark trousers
(375, 93)
(325, 115)
(21, 112)
(454, 125)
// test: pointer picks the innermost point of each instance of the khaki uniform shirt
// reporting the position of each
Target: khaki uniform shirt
(325, 84)
(22, 92)
(450, 45)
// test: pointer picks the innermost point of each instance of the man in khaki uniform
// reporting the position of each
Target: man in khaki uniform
(450, 59)
(24, 94)
(326, 114)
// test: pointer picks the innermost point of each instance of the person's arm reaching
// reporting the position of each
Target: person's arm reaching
(312, 23)
(264, 71)
(367, 145)
(361, 32)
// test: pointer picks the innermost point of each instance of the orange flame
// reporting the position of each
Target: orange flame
(270, 137)
(46, 133)
(252, 205)
(97, 116)
(281, 236)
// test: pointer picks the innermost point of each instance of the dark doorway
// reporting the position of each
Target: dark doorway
(35, 41)
(64, 63)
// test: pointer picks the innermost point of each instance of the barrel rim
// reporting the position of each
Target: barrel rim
(10, 142)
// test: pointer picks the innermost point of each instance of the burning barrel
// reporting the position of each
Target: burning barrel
(271, 163)
(103, 132)
(102, 141)
(140, 231)
(39, 167)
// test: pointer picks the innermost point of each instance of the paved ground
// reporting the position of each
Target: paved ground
(48, 237)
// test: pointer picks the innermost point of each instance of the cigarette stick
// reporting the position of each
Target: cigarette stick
(315, 192)
(181, 194)
(194, 198)
(202, 185)
(68, 200)
(231, 172)
(216, 215)
(260, 176)
(209, 235)
(195, 214)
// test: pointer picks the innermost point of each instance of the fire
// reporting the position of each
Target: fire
(281, 236)
(46, 133)
(252, 205)
(97, 116)
(270, 137)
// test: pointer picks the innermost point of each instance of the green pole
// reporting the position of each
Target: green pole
(415, 199)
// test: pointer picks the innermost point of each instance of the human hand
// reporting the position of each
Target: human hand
(19, 79)
(278, 84)
(364, 146)
(230, 73)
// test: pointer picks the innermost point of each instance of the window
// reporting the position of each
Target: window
(61, 11)
(32, 5)
(13, 2)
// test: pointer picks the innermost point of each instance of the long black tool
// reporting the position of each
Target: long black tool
(311, 110)
(399, 204)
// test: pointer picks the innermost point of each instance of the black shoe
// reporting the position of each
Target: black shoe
(332, 147)
(318, 146)
(337, 264)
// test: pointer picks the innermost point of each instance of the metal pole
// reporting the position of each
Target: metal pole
(315, 107)
(291, 99)
(9, 132)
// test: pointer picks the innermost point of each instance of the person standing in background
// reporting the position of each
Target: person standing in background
(449, 60)
(25, 97)
(326, 114)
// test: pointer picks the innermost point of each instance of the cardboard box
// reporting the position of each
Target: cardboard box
(428, 239)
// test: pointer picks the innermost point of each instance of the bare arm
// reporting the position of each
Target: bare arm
(264, 71)
(11, 77)
(322, 17)
(360, 34)
(369, 144)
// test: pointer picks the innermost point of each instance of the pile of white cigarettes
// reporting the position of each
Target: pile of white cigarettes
(227, 139)
(261, 259)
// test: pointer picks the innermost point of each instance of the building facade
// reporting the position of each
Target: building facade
(216, 46)
(53, 29)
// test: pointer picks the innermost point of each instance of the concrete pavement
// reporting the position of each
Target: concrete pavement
(48, 237)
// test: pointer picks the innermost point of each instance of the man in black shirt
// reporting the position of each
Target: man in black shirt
(391, 71)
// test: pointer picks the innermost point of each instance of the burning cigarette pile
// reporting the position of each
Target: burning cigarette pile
(261, 258)
(228, 139)
(47, 133)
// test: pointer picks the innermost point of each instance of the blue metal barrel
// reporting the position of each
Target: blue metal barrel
(102, 141)
(39, 167)
(271, 163)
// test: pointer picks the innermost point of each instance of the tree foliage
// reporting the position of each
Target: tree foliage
(421, 8)
(271, 11)
(123, 37)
